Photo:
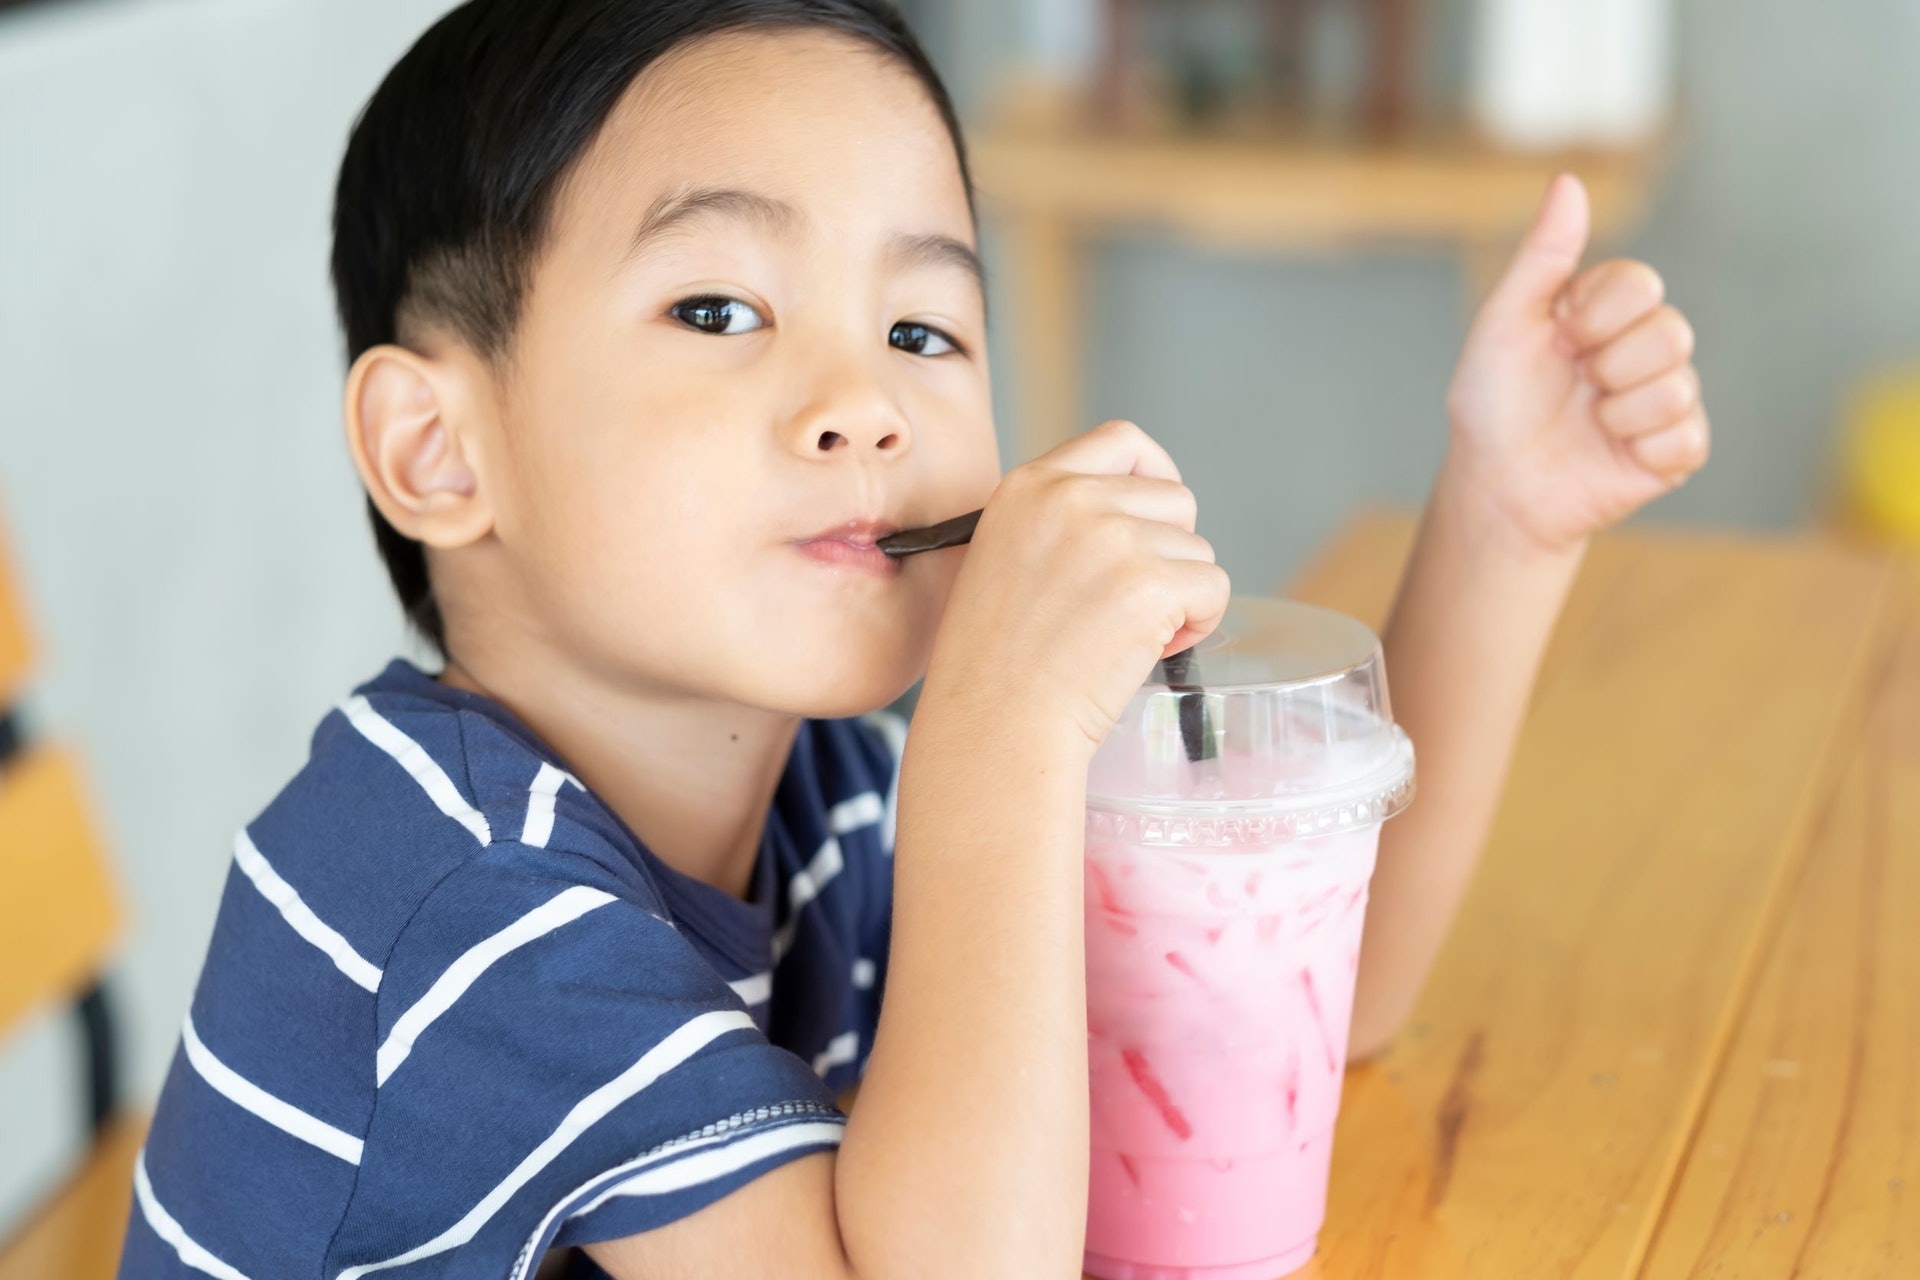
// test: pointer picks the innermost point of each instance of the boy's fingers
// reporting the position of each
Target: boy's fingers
(1655, 345)
(1674, 452)
(1147, 498)
(1201, 592)
(1117, 448)
(1607, 300)
(1548, 257)
(1170, 542)
(1651, 405)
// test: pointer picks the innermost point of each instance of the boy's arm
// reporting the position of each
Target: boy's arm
(1575, 403)
(1472, 620)
(967, 1156)
(968, 1153)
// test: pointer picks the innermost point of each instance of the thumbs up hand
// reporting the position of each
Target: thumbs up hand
(1575, 402)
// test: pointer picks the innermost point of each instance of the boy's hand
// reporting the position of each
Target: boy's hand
(1576, 401)
(1084, 571)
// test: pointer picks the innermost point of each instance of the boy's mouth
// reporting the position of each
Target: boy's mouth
(851, 545)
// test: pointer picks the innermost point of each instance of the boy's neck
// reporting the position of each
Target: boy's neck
(693, 778)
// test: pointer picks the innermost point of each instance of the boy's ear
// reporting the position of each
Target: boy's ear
(412, 430)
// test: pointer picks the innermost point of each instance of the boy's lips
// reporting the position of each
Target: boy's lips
(851, 545)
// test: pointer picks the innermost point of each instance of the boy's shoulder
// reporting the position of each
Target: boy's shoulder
(428, 755)
(410, 782)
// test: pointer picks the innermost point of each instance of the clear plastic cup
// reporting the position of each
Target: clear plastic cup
(1225, 898)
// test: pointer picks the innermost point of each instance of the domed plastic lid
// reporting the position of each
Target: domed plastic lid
(1281, 714)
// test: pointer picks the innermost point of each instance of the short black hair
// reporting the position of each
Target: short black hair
(450, 173)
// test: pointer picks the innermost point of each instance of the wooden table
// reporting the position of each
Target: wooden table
(1676, 1030)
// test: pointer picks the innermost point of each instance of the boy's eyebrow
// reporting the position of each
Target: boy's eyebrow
(939, 250)
(687, 203)
(684, 204)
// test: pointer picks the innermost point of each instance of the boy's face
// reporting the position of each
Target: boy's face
(752, 343)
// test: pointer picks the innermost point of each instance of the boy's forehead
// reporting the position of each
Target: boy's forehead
(816, 121)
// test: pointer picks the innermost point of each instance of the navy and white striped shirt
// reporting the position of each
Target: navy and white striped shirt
(455, 1014)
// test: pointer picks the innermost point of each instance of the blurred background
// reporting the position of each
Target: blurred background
(1257, 227)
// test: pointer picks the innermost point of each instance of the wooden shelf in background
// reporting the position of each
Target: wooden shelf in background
(1050, 188)
(1293, 195)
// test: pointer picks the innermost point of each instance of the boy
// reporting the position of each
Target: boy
(661, 312)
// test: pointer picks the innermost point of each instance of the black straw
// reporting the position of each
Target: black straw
(1192, 706)
(1193, 703)
(935, 537)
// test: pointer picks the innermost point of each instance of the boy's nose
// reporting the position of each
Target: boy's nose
(849, 411)
(828, 441)
(857, 417)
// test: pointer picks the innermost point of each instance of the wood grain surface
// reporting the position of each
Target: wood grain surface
(1807, 1162)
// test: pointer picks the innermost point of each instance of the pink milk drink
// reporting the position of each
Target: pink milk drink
(1232, 820)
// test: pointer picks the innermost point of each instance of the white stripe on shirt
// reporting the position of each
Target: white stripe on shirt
(753, 991)
(413, 757)
(826, 1132)
(563, 908)
(705, 1166)
(894, 730)
(862, 810)
(300, 916)
(190, 1251)
(538, 828)
(804, 888)
(688, 1039)
(250, 1097)
(843, 1048)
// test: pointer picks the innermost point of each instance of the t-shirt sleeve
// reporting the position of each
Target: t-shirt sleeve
(558, 1065)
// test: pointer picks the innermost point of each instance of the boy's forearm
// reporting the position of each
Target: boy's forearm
(967, 1155)
(1473, 617)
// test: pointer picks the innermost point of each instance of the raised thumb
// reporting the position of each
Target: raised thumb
(1550, 253)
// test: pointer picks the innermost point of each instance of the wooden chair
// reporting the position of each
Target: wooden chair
(59, 918)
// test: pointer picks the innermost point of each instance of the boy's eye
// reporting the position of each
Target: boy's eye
(921, 340)
(718, 315)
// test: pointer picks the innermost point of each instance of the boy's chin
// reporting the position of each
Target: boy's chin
(837, 700)
(848, 683)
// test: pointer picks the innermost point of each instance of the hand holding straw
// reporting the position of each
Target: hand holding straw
(1193, 703)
